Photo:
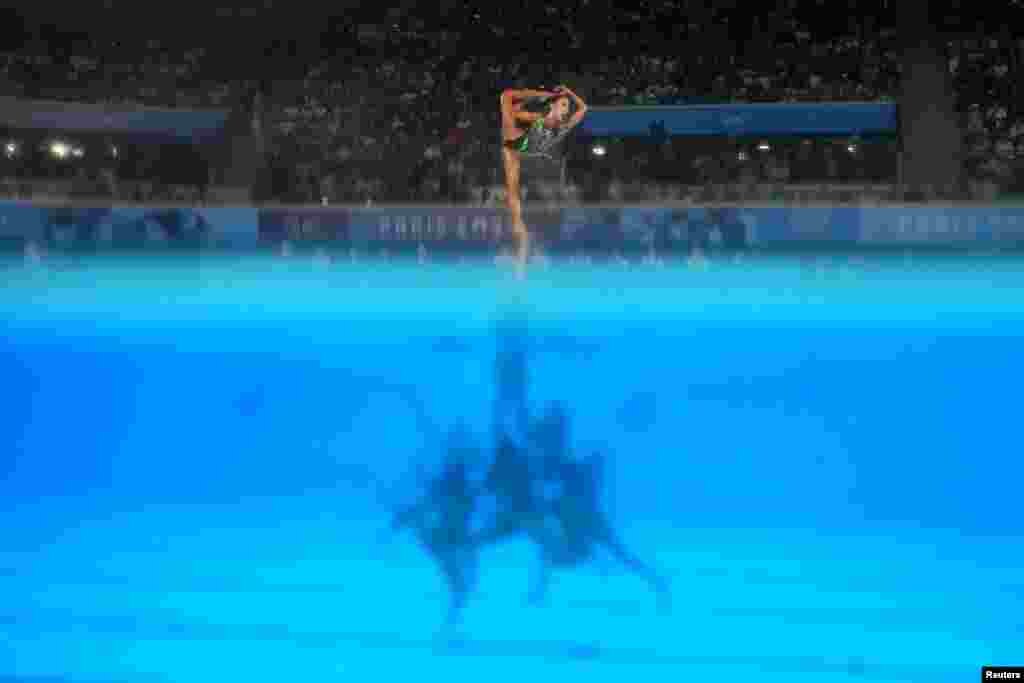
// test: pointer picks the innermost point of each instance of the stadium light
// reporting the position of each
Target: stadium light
(742, 155)
(764, 147)
(599, 150)
(11, 149)
(60, 150)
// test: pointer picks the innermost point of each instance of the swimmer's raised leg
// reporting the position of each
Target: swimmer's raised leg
(541, 583)
(460, 570)
(658, 583)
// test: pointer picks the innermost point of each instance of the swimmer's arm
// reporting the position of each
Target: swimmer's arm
(520, 95)
(512, 104)
(581, 107)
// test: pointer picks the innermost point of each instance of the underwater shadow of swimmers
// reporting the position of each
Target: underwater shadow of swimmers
(556, 503)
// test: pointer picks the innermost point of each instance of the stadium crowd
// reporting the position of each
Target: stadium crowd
(407, 112)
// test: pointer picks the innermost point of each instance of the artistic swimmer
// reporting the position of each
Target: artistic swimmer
(525, 134)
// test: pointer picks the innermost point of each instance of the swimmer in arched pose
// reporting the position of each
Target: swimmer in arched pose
(526, 133)
(575, 527)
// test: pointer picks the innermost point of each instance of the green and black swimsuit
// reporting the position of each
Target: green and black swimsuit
(538, 140)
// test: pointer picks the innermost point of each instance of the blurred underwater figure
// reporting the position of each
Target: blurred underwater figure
(553, 500)
(530, 485)
(442, 522)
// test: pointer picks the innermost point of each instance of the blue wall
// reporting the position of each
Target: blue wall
(746, 119)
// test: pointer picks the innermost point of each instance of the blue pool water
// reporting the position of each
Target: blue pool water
(199, 463)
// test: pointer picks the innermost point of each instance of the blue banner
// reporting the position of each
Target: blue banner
(456, 229)
(839, 224)
(82, 227)
(941, 226)
(623, 230)
(847, 118)
(628, 231)
(304, 226)
(668, 230)
(485, 231)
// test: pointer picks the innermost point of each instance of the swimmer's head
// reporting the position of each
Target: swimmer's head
(558, 110)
